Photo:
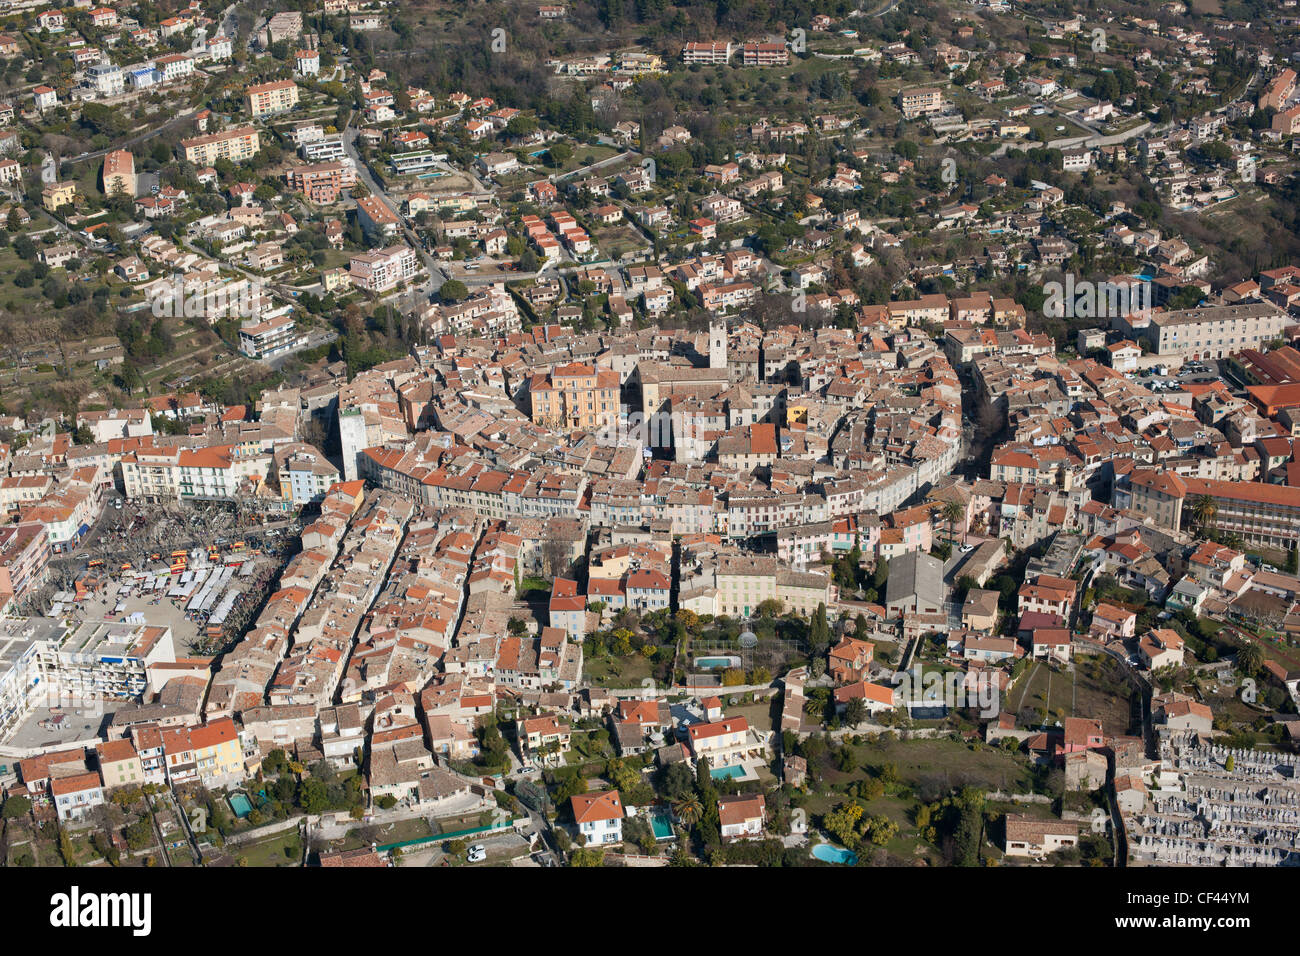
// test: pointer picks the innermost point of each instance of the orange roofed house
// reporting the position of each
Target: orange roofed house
(1081, 734)
(1050, 595)
(1026, 836)
(211, 754)
(742, 818)
(850, 660)
(723, 742)
(1161, 647)
(1112, 623)
(76, 796)
(599, 817)
(568, 608)
(545, 737)
(877, 698)
(1052, 643)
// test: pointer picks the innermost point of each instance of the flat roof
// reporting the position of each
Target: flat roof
(112, 639)
(17, 634)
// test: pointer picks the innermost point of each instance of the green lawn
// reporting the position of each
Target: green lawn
(586, 155)
(953, 763)
(609, 671)
(758, 714)
(390, 833)
(585, 748)
(270, 851)
(929, 769)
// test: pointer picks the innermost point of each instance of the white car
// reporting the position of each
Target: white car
(478, 857)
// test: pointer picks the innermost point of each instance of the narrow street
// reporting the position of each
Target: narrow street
(436, 275)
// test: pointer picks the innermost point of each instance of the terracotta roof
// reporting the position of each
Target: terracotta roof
(589, 807)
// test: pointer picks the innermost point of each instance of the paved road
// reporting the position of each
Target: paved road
(436, 275)
(1118, 835)
(620, 157)
(1096, 139)
(134, 140)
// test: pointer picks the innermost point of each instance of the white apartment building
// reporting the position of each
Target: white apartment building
(174, 66)
(106, 79)
(1215, 332)
(163, 474)
(383, 269)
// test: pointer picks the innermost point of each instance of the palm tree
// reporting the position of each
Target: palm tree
(1204, 510)
(689, 810)
(952, 513)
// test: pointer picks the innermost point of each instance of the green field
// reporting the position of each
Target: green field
(270, 851)
(1094, 688)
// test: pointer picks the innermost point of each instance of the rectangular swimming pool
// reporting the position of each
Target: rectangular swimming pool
(241, 805)
(725, 773)
(661, 825)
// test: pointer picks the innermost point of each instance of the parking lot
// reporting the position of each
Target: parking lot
(206, 604)
(136, 537)
(1190, 373)
(498, 849)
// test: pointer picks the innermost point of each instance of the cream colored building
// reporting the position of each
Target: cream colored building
(119, 173)
(745, 581)
(236, 145)
(119, 764)
(265, 99)
(575, 396)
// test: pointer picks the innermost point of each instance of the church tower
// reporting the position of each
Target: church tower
(717, 344)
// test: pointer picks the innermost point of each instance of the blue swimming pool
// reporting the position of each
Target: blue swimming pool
(829, 853)
(661, 824)
(712, 662)
(242, 806)
(727, 773)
